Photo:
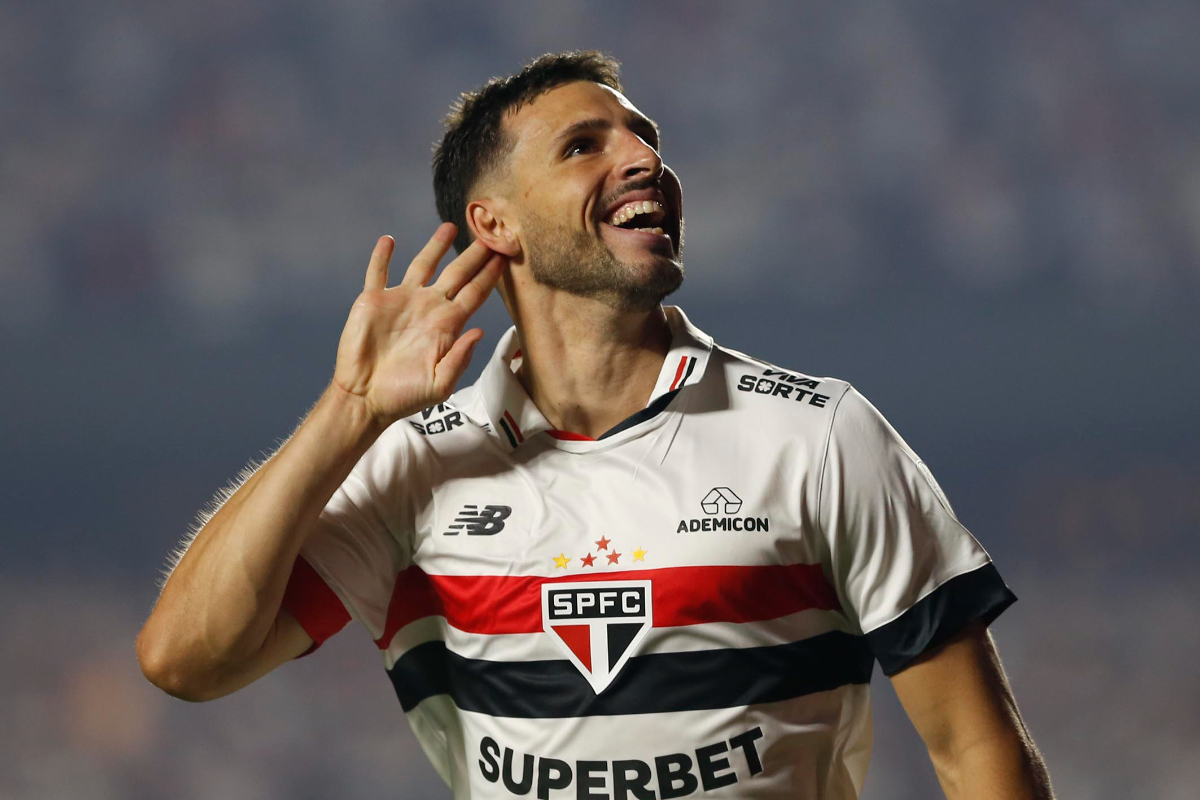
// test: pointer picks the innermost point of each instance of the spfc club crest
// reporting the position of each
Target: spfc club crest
(598, 624)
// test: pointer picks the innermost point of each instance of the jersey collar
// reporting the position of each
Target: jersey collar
(514, 418)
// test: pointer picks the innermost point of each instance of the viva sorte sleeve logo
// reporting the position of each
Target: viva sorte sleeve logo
(598, 624)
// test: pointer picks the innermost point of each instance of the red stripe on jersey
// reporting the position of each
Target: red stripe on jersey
(678, 373)
(497, 604)
(568, 436)
(516, 428)
(313, 604)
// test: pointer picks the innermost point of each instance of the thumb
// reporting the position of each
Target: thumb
(452, 366)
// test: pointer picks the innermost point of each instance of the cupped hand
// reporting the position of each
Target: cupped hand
(403, 348)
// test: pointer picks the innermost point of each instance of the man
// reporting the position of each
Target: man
(627, 562)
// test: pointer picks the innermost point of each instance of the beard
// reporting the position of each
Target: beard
(581, 264)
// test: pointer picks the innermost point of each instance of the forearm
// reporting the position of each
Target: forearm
(961, 703)
(221, 600)
(1004, 767)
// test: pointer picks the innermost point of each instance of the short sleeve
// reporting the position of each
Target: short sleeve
(905, 569)
(347, 567)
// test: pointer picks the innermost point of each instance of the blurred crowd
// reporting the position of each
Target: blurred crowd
(988, 217)
(163, 153)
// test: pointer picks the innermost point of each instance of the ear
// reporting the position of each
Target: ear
(488, 220)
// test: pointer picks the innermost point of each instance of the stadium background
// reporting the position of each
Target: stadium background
(987, 219)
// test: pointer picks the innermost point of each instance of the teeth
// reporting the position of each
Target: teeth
(630, 210)
(649, 230)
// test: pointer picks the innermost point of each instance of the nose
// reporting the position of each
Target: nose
(638, 159)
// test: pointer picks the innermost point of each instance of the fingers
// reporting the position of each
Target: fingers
(425, 264)
(377, 268)
(471, 296)
(452, 366)
(462, 269)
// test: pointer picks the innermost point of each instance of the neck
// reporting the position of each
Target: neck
(587, 366)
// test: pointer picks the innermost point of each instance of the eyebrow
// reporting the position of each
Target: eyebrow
(597, 124)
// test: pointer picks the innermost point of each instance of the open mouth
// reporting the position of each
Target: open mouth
(646, 221)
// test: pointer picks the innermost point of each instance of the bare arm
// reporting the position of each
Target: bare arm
(220, 604)
(217, 624)
(961, 704)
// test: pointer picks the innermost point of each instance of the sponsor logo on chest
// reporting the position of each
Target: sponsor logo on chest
(721, 506)
(667, 775)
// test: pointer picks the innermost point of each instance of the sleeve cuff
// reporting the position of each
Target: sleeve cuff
(314, 605)
(978, 594)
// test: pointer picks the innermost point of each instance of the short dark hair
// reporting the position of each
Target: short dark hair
(474, 141)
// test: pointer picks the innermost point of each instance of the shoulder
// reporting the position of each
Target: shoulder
(444, 418)
(457, 424)
(776, 390)
(408, 457)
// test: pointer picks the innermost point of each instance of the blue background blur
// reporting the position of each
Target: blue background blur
(987, 219)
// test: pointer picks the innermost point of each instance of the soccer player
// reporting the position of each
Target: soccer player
(627, 562)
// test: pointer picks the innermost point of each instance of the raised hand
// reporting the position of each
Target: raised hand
(403, 349)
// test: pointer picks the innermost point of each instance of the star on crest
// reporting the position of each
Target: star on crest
(561, 560)
(613, 556)
(588, 559)
(602, 543)
(639, 554)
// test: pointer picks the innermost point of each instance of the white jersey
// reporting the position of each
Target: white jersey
(690, 605)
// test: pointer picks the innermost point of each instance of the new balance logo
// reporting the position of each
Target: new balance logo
(475, 522)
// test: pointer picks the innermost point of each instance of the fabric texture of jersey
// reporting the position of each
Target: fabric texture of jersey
(691, 604)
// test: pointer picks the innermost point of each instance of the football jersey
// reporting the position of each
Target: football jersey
(691, 604)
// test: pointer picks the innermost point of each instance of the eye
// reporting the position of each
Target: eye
(584, 144)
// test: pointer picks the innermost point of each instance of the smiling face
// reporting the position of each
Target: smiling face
(595, 210)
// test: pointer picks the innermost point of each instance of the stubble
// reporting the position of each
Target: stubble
(578, 262)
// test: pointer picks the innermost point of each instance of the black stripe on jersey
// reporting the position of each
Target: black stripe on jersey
(691, 366)
(641, 416)
(653, 683)
(508, 432)
(978, 594)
